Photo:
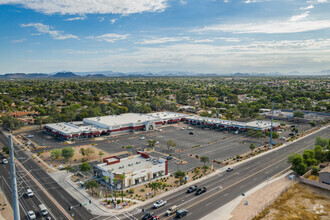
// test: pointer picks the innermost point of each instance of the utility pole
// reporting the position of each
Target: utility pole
(271, 128)
(13, 179)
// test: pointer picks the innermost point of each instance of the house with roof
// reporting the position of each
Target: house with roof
(324, 175)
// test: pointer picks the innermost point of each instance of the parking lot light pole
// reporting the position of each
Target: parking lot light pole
(271, 128)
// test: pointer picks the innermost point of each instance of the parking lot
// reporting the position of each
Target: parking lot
(217, 145)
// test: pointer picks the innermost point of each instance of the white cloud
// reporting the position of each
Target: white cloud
(270, 27)
(76, 18)
(204, 41)
(110, 38)
(46, 29)
(19, 40)
(112, 21)
(182, 2)
(91, 6)
(307, 8)
(162, 40)
(250, 1)
(299, 17)
(229, 39)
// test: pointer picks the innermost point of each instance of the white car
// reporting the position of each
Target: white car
(5, 161)
(29, 193)
(283, 138)
(160, 130)
(159, 203)
(190, 128)
(142, 138)
(31, 215)
(30, 136)
(182, 128)
(157, 142)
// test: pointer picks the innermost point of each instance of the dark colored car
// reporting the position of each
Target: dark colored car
(191, 133)
(148, 216)
(169, 158)
(200, 190)
(291, 134)
(192, 189)
(181, 212)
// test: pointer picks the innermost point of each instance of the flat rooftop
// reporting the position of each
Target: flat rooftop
(167, 115)
(261, 124)
(130, 164)
(68, 128)
(112, 120)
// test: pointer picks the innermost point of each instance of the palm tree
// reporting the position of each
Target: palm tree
(115, 180)
(204, 159)
(105, 178)
(122, 178)
(252, 147)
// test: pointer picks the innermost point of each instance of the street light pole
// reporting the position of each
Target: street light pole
(271, 128)
(13, 179)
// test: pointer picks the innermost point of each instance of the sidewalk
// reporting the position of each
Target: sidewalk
(226, 211)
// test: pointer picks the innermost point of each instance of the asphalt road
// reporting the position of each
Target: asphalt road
(225, 187)
(52, 187)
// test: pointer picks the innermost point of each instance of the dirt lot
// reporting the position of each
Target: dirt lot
(299, 202)
(6, 213)
(77, 158)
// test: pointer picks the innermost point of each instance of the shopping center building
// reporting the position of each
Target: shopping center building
(131, 122)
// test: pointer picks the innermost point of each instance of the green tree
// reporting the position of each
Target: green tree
(69, 169)
(315, 170)
(151, 143)
(38, 121)
(298, 114)
(204, 159)
(155, 186)
(67, 152)
(56, 153)
(82, 151)
(101, 154)
(312, 123)
(91, 184)
(323, 142)
(122, 183)
(319, 153)
(106, 178)
(309, 157)
(84, 166)
(170, 143)
(298, 164)
(89, 151)
(180, 175)
(252, 147)
(5, 149)
(115, 180)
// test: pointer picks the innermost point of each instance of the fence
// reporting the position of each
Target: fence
(314, 183)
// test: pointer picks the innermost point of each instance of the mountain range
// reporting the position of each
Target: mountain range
(104, 74)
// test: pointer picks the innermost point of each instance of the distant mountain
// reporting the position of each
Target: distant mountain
(65, 75)
(240, 74)
(24, 76)
(95, 76)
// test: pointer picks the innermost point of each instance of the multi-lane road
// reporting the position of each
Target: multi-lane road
(51, 189)
(225, 187)
(222, 188)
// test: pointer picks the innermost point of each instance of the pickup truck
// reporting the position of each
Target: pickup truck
(171, 210)
(192, 189)
(159, 203)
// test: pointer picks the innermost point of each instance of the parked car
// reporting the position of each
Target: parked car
(171, 210)
(281, 130)
(191, 133)
(159, 203)
(182, 128)
(29, 193)
(5, 161)
(160, 130)
(192, 189)
(142, 138)
(181, 213)
(283, 138)
(30, 136)
(291, 134)
(169, 157)
(229, 169)
(293, 126)
(190, 128)
(200, 190)
(31, 215)
(157, 142)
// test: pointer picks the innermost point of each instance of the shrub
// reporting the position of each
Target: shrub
(142, 190)
(118, 201)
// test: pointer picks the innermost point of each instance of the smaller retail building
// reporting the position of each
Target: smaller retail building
(136, 169)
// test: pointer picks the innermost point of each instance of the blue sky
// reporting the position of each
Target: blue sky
(207, 36)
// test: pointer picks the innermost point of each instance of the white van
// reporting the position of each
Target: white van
(43, 209)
